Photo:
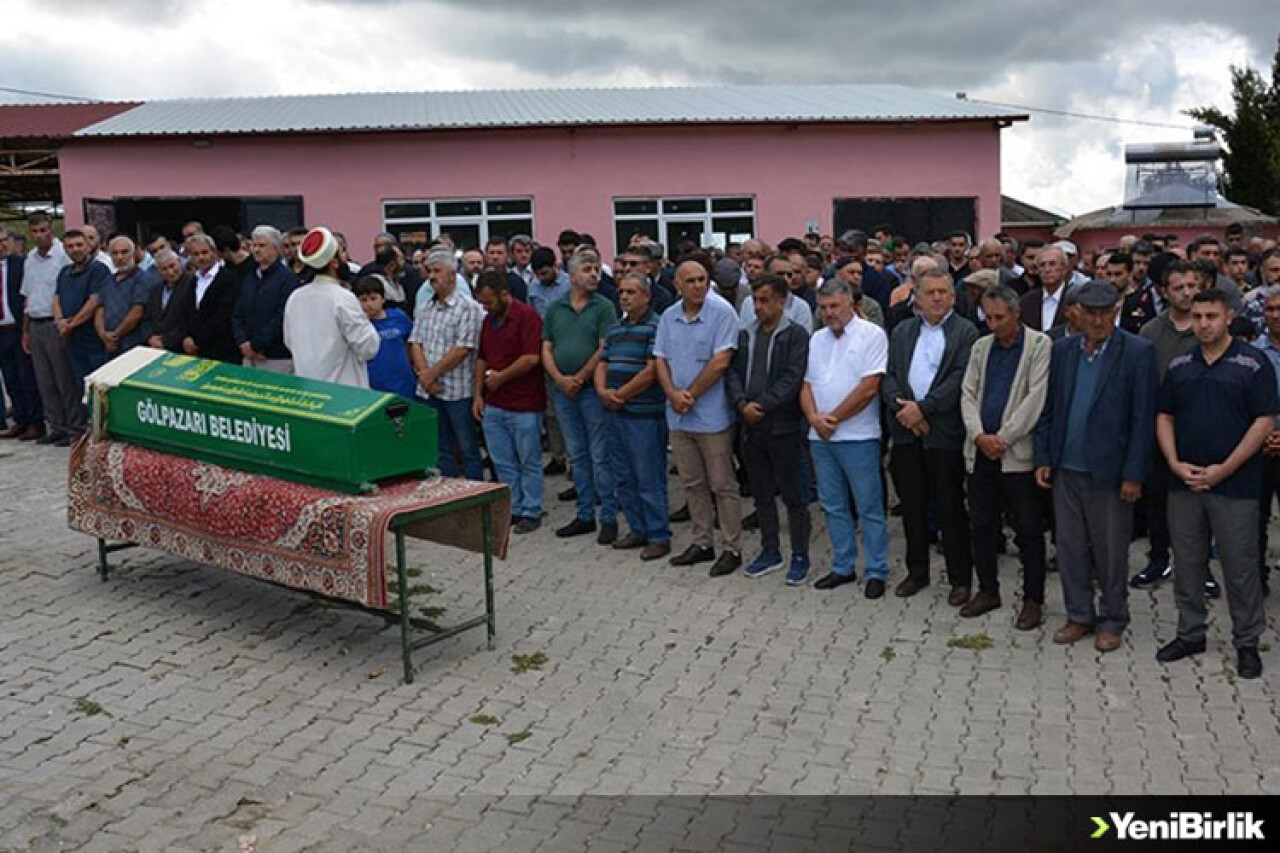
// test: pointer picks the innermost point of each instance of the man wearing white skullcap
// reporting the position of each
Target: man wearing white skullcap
(324, 326)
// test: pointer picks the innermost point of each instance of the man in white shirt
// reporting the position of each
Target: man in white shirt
(324, 326)
(840, 400)
(40, 336)
(1042, 307)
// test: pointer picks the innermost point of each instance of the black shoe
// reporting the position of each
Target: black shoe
(1211, 588)
(682, 514)
(832, 580)
(896, 510)
(728, 563)
(694, 554)
(65, 440)
(608, 533)
(577, 527)
(1248, 662)
(526, 525)
(1178, 649)
(555, 466)
(569, 494)
(875, 589)
(1152, 574)
(50, 437)
(751, 522)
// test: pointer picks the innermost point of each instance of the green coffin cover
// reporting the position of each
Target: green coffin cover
(330, 435)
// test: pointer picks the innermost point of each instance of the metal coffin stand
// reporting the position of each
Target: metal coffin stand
(397, 528)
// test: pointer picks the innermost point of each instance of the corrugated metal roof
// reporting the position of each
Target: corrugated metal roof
(54, 121)
(542, 108)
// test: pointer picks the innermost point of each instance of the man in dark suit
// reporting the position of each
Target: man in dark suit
(210, 304)
(15, 362)
(1093, 446)
(163, 320)
(1042, 306)
(763, 387)
(928, 355)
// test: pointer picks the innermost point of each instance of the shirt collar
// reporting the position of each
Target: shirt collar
(1102, 347)
(1017, 341)
(925, 325)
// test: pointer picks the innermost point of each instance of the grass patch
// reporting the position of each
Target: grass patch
(977, 642)
(888, 653)
(89, 708)
(485, 720)
(525, 663)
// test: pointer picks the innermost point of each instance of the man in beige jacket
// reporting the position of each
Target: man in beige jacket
(1000, 401)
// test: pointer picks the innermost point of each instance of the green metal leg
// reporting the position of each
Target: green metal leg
(486, 526)
(103, 568)
(403, 579)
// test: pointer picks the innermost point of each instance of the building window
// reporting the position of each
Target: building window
(705, 221)
(469, 222)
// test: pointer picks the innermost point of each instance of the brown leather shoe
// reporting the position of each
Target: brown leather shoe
(13, 432)
(1108, 641)
(31, 433)
(655, 551)
(960, 595)
(983, 602)
(1030, 617)
(909, 587)
(1071, 633)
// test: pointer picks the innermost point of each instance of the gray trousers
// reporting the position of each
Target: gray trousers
(1092, 531)
(1194, 518)
(59, 391)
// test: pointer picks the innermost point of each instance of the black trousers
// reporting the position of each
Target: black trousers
(919, 475)
(1155, 495)
(772, 467)
(1270, 489)
(991, 494)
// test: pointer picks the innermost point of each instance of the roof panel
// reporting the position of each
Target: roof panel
(543, 108)
(54, 121)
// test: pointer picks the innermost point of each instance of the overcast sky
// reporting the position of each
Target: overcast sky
(1145, 62)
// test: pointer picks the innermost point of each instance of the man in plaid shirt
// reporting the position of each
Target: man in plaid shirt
(442, 347)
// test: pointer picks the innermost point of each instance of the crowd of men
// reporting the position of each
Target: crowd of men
(1126, 393)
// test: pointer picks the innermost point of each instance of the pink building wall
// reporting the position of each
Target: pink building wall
(1097, 239)
(794, 171)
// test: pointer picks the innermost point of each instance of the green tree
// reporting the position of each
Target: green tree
(1251, 135)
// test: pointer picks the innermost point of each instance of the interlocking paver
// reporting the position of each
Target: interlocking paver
(233, 708)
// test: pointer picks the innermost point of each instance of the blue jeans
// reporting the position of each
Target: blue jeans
(582, 422)
(841, 466)
(514, 440)
(457, 432)
(638, 458)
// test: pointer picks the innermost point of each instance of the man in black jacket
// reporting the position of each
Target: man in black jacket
(258, 322)
(763, 387)
(928, 355)
(209, 304)
(162, 322)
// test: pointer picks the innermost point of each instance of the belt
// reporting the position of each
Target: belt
(39, 319)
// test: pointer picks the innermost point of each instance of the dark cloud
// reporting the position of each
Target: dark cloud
(933, 44)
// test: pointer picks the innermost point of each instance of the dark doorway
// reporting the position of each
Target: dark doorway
(915, 218)
(141, 218)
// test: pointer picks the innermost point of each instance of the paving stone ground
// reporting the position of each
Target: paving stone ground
(233, 714)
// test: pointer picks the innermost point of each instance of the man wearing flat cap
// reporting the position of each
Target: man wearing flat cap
(1094, 444)
(324, 326)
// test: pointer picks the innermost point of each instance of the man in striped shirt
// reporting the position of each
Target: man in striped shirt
(635, 416)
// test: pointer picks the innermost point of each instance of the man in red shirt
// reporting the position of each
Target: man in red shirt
(511, 394)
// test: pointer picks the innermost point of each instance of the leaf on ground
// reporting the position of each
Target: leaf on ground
(524, 663)
(378, 673)
(888, 653)
(517, 737)
(486, 720)
(977, 642)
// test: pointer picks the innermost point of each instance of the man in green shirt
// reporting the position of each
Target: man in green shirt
(573, 333)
